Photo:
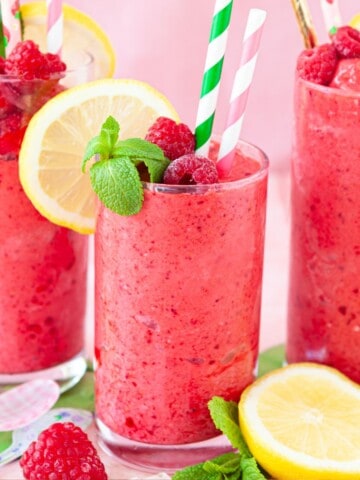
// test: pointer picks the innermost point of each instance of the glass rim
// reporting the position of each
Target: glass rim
(262, 159)
(58, 76)
(326, 89)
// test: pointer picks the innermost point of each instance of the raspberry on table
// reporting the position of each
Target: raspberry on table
(62, 451)
(175, 139)
(346, 40)
(191, 169)
(318, 64)
(27, 62)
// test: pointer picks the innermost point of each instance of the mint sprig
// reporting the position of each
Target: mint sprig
(239, 465)
(115, 176)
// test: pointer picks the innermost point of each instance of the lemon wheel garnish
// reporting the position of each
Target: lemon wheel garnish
(81, 32)
(302, 422)
(54, 144)
(355, 21)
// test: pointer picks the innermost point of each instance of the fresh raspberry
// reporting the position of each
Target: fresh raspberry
(27, 62)
(318, 64)
(347, 75)
(347, 42)
(175, 139)
(62, 451)
(2, 65)
(191, 169)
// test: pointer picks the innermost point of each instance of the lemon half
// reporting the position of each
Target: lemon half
(302, 422)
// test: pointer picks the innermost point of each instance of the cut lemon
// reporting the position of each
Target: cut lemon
(302, 422)
(54, 144)
(80, 32)
(355, 21)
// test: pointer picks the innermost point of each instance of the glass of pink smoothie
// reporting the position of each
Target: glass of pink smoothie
(43, 266)
(324, 296)
(178, 291)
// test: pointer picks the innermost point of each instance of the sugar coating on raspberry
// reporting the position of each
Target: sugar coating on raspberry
(62, 451)
(191, 169)
(347, 75)
(175, 139)
(318, 64)
(27, 62)
(346, 40)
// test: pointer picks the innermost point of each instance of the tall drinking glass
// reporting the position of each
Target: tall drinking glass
(178, 290)
(324, 296)
(43, 266)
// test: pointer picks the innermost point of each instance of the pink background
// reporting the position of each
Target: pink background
(164, 42)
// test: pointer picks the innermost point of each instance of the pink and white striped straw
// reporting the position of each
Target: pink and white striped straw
(331, 14)
(54, 26)
(10, 10)
(240, 91)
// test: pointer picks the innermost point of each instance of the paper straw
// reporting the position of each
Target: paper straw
(54, 26)
(2, 36)
(240, 90)
(331, 14)
(10, 23)
(212, 74)
(304, 20)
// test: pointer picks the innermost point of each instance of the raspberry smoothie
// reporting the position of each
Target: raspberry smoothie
(43, 266)
(324, 296)
(178, 289)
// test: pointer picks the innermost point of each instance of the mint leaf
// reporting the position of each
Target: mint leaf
(117, 184)
(143, 151)
(223, 467)
(110, 132)
(225, 417)
(138, 148)
(196, 472)
(228, 464)
(250, 470)
(114, 176)
(156, 169)
(102, 144)
(95, 147)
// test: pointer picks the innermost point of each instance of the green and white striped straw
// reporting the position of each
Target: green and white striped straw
(2, 35)
(212, 74)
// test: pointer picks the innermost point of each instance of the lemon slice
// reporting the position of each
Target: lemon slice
(51, 153)
(302, 422)
(355, 21)
(80, 33)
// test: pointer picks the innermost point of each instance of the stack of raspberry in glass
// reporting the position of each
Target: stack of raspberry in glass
(28, 79)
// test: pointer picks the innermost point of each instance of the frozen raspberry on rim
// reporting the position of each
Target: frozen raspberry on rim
(347, 42)
(175, 139)
(191, 169)
(318, 64)
(62, 451)
(27, 62)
